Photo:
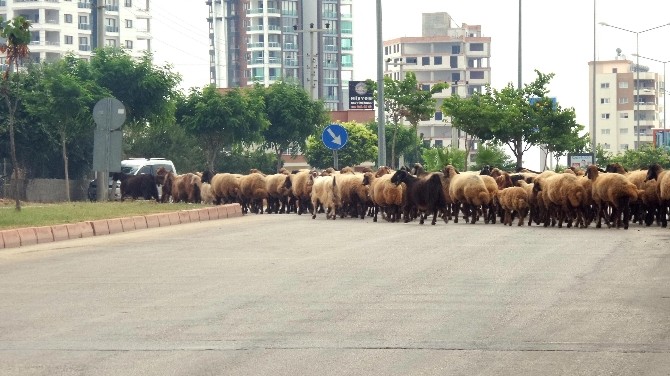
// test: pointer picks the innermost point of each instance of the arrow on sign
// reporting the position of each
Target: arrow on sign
(336, 139)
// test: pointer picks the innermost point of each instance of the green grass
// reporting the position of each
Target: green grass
(35, 214)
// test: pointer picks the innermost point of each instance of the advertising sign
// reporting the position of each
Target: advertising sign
(662, 138)
(360, 96)
(580, 160)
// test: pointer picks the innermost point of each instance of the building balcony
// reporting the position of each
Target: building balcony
(3, 3)
(84, 47)
(141, 13)
(330, 48)
(347, 31)
(290, 63)
(84, 26)
(256, 45)
(273, 45)
(644, 106)
(111, 29)
(275, 12)
(286, 12)
(290, 46)
(112, 8)
(84, 5)
(346, 16)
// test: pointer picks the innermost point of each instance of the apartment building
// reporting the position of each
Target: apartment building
(626, 96)
(445, 52)
(63, 26)
(309, 42)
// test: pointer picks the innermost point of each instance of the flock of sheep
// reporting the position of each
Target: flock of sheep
(574, 197)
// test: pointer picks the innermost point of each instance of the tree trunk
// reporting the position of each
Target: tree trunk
(66, 166)
(278, 153)
(518, 144)
(12, 147)
(395, 132)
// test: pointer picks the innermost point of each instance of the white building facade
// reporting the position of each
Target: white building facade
(305, 41)
(457, 55)
(59, 27)
(621, 105)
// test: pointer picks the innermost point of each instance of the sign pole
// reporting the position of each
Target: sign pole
(335, 162)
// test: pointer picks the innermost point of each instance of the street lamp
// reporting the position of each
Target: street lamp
(637, 70)
(664, 93)
(313, 92)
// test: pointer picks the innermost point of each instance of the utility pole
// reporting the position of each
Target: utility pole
(314, 58)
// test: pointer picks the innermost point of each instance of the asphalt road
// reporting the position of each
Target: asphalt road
(288, 295)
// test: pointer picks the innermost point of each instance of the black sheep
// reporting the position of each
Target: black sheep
(423, 194)
(137, 186)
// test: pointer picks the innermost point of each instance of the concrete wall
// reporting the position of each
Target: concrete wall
(46, 190)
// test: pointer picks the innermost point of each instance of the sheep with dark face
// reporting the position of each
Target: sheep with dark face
(662, 176)
(384, 195)
(612, 189)
(423, 194)
(137, 186)
(468, 190)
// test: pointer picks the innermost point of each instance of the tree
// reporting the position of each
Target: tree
(293, 116)
(406, 99)
(490, 154)
(63, 102)
(641, 159)
(17, 37)
(406, 142)
(360, 147)
(219, 120)
(435, 159)
(145, 89)
(509, 116)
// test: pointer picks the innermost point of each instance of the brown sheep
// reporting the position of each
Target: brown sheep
(225, 186)
(469, 190)
(662, 177)
(352, 193)
(253, 192)
(612, 189)
(277, 193)
(563, 196)
(514, 199)
(384, 195)
(324, 192)
(300, 183)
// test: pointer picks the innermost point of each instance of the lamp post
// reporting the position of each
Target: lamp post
(381, 120)
(637, 71)
(313, 92)
(664, 93)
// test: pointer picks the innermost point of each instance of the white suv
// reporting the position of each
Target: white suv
(132, 166)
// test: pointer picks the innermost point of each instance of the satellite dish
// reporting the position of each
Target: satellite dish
(618, 51)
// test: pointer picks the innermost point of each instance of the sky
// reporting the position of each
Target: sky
(556, 37)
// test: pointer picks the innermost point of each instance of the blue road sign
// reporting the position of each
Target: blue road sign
(334, 137)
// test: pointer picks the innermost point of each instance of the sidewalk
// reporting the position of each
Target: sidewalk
(46, 234)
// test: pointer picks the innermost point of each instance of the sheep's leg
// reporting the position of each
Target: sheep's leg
(473, 212)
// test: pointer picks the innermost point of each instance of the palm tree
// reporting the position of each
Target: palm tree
(17, 37)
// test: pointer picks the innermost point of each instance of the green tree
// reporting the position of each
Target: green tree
(406, 99)
(17, 37)
(406, 143)
(490, 154)
(145, 89)
(223, 120)
(293, 116)
(63, 104)
(509, 116)
(435, 159)
(641, 159)
(360, 147)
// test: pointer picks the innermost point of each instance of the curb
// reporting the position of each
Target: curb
(13, 238)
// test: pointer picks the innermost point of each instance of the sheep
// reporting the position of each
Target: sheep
(324, 192)
(662, 177)
(384, 195)
(277, 193)
(206, 193)
(300, 183)
(253, 192)
(513, 199)
(468, 190)
(612, 189)
(137, 186)
(352, 193)
(425, 194)
(563, 196)
(225, 186)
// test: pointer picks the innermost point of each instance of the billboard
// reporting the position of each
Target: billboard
(360, 96)
(580, 160)
(662, 138)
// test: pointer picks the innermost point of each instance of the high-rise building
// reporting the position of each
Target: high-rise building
(622, 102)
(305, 41)
(63, 26)
(446, 52)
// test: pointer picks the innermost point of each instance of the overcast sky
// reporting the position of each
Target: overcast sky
(557, 37)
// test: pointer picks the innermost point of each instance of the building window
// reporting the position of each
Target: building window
(615, 70)
(623, 100)
(437, 60)
(438, 115)
(425, 60)
(606, 146)
(411, 60)
(623, 130)
(386, 50)
(623, 115)
(623, 147)
(438, 143)
(129, 44)
(128, 3)
(605, 85)
(425, 87)
(456, 50)
(604, 100)
(110, 42)
(68, 18)
(68, 39)
(604, 131)
(453, 61)
(455, 77)
(129, 24)
(623, 84)
(605, 116)
(477, 75)
(476, 46)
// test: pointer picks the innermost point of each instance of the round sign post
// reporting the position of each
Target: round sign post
(334, 137)
(109, 115)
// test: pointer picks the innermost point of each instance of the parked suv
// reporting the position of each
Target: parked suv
(132, 166)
